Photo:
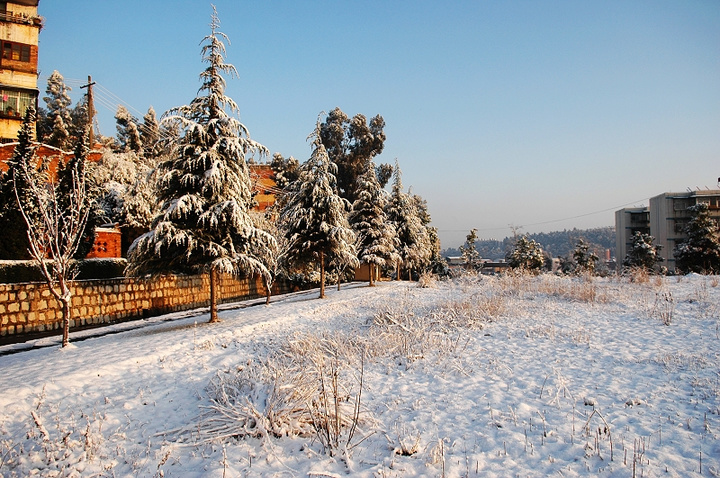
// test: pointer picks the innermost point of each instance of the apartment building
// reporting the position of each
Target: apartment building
(20, 27)
(669, 215)
(665, 219)
(628, 221)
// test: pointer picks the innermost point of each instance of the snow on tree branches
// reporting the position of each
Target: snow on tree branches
(470, 254)
(643, 253)
(315, 216)
(700, 252)
(417, 243)
(204, 188)
(56, 216)
(377, 241)
(526, 255)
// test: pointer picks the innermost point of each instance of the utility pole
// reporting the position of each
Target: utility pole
(91, 109)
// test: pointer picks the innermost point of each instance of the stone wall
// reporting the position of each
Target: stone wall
(31, 309)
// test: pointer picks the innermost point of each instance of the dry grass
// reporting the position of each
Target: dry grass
(310, 388)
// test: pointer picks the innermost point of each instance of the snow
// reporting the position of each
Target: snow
(499, 376)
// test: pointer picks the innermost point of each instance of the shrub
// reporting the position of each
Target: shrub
(13, 272)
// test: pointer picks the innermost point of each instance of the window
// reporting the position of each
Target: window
(680, 225)
(14, 103)
(681, 204)
(16, 52)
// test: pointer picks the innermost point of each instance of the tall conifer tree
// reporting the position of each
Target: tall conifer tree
(15, 191)
(700, 251)
(205, 189)
(315, 216)
(377, 240)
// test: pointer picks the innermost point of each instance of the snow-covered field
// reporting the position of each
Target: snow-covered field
(507, 376)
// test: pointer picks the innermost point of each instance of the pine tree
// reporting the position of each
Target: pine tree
(643, 253)
(431, 259)
(315, 216)
(79, 121)
(700, 251)
(377, 240)
(585, 259)
(286, 170)
(527, 255)
(413, 238)
(128, 134)
(470, 254)
(150, 134)
(58, 111)
(204, 188)
(77, 164)
(15, 193)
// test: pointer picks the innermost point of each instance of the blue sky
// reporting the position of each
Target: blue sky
(540, 115)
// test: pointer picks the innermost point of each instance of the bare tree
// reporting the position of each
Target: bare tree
(56, 229)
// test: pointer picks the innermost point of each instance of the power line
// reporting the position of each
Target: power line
(548, 222)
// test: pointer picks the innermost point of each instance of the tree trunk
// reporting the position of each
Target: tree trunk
(66, 320)
(322, 275)
(213, 295)
(268, 290)
(371, 269)
(339, 278)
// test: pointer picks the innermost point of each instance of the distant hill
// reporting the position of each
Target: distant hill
(557, 244)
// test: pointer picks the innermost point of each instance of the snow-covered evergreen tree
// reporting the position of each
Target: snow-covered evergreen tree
(59, 137)
(643, 253)
(115, 174)
(431, 257)
(150, 134)
(470, 254)
(66, 178)
(286, 170)
(128, 134)
(527, 255)
(15, 192)
(376, 238)
(414, 242)
(79, 121)
(584, 258)
(58, 111)
(700, 251)
(204, 188)
(314, 217)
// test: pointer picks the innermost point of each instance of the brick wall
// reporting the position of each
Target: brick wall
(31, 309)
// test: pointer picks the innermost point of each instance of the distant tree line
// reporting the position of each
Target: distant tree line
(555, 244)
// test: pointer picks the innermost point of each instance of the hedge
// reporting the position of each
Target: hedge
(13, 272)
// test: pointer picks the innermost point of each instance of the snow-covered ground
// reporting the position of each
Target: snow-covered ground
(512, 376)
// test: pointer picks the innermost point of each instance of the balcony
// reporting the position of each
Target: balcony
(21, 19)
